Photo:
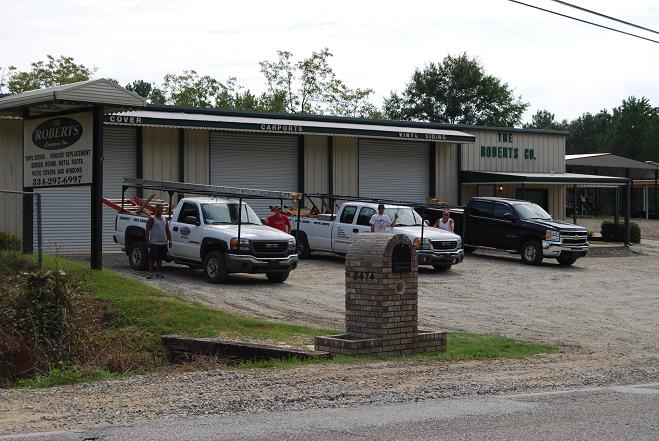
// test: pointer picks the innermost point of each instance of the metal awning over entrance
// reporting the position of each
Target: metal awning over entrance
(68, 97)
(581, 180)
(285, 126)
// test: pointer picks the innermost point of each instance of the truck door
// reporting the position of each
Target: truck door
(504, 231)
(363, 225)
(342, 229)
(186, 234)
(478, 222)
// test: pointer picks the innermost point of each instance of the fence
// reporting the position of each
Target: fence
(20, 213)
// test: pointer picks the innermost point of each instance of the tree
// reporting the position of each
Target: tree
(544, 119)
(310, 86)
(456, 91)
(634, 129)
(147, 90)
(52, 72)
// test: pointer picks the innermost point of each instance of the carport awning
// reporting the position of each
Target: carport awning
(289, 126)
(477, 177)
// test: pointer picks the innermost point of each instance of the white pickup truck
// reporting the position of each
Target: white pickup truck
(205, 233)
(335, 233)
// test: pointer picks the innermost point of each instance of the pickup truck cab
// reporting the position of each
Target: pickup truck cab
(521, 227)
(335, 233)
(205, 234)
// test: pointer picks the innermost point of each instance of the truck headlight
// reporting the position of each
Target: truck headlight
(244, 244)
(553, 235)
(424, 244)
(291, 244)
(459, 241)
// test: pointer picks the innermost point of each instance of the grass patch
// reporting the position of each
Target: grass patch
(138, 314)
(460, 346)
(66, 374)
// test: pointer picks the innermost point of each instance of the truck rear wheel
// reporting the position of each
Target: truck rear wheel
(278, 277)
(214, 268)
(566, 259)
(138, 255)
(532, 253)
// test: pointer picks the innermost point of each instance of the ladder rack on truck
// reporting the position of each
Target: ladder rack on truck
(333, 198)
(182, 188)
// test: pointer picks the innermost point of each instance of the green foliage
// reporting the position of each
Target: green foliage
(310, 86)
(612, 232)
(52, 72)
(544, 119)
(147, 90)
(10, 241)
(456, 91)
(630, 130)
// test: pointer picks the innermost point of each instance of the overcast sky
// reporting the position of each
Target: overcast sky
(557, 64)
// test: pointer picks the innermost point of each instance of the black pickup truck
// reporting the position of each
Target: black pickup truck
(519, 227)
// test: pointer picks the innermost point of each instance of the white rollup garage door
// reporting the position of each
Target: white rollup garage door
(266, 162)
(66, 217)
(119, 152)
(394, 170)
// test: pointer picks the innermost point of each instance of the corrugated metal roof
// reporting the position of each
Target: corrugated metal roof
(99, 91)
(477, 177)
(584, 155)
(291, 125)
(606, 160)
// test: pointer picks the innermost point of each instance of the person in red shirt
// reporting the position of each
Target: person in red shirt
(279, 221)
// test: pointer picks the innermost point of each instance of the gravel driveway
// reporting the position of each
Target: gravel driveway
(604, 312)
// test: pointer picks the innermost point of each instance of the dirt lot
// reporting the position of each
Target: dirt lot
(604, 312)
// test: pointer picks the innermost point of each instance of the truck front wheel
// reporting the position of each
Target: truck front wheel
(278, 277)
(138, 255)
(303, 251)
(214, 267)
(532, 253)
(566, 259)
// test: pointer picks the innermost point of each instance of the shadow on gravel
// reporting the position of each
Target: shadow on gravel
(547, 263)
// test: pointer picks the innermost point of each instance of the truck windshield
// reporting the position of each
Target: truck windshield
(531, 211)
(227, 214)
(406, 216)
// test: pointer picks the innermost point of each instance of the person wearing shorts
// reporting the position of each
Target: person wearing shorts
(158, 238)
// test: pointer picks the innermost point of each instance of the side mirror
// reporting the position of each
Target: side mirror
(192, 220)
(509, 217)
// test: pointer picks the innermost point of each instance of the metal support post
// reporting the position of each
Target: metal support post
(616, 215)
(628, 199)
(240, 221)
(574, 201)
(97, 190)
(28, 221)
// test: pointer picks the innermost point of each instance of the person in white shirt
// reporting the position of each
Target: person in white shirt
(380, 221)
(445, 222)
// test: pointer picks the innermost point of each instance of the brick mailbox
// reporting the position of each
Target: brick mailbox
(381, 301)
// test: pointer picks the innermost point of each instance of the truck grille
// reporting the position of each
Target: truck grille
(270, 247)
(444, 244)
(574, 239)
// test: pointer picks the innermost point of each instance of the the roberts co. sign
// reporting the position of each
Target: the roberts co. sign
(57, 133)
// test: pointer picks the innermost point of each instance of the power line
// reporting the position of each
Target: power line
(584, 21)
(605, 16)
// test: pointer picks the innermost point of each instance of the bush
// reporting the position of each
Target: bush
(612, 232)
(10, 241)
(45, 320)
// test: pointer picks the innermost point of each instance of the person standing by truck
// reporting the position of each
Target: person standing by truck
(157, 238)
(445, 222)
(279, 221)
(380, 221)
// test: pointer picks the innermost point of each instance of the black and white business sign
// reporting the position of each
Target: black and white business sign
(58, 151)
